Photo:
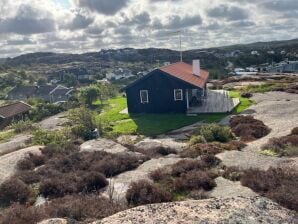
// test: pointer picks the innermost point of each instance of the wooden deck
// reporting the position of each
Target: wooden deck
(217, 101)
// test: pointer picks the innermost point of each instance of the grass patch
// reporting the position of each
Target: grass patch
(244, 102)
(6, 135)
(268, 152)
(146, 124)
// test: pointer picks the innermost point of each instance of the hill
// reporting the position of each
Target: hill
(219, 56)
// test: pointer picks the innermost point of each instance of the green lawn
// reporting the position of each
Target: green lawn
(146, 124)
(154, 124)
(244, 102)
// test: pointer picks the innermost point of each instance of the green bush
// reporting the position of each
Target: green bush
(22, 126)
(83, 122)
(215, 132)
(45, 137)
(195, 139)
(43, 110)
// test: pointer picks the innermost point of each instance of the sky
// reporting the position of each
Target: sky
(77, 26)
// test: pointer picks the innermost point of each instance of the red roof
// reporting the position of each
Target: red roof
(184, 72)
(13, 109)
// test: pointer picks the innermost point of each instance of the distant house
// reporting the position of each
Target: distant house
(172, 88)
(13, 112)
(284, 67)
(50, 93)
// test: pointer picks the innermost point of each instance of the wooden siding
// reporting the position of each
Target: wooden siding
(160, 88)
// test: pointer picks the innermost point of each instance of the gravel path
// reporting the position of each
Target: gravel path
(277, 110)
(9, 161)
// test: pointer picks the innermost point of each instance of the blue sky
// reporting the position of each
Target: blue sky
(78, 26)
(65, 3)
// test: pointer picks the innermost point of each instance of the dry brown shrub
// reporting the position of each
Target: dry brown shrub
(144, 192)
(279, 184)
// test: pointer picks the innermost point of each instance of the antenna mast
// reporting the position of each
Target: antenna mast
(179, 32)
(181, 56)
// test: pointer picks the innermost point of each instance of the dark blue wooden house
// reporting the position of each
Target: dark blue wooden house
(172, 88)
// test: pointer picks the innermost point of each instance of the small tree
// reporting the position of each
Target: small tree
(83, 122)
(89, 94)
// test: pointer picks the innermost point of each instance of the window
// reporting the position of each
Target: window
(178, 94)
(144, 96)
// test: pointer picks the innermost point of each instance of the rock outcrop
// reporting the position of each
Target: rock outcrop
(216, 210)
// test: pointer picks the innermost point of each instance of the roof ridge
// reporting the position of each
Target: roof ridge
(178, 62)
(6, 105)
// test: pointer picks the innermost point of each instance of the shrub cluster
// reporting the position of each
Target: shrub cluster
(45, 137)
(14, 190)
(248, 128)
(278, 184)
(215, 132)
(214, 148)
(289, 89)
(64, 171)
(22, 126)
(284, 146)
(185, 178)
(42, 110)
(78, 208)
(144, 192)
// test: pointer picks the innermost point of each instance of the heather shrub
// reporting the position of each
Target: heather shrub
(93, 181)
(215, 132)
(201, 149)
(248, 128)
(144, 192)
(22, 214)
(28, 176)
(112, 164)
(194, 180)
(77, 208)
(14, 190)
(279, 184)
(25, 164)
(57, 187)
(186, 165)
(158, 175)
(66, 171)
(187, 176)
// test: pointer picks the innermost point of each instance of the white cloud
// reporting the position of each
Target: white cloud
(89, 25)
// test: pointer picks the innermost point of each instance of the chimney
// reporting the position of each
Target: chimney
(196, 68)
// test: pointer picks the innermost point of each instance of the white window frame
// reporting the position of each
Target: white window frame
(146, 91)
(178, 99)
